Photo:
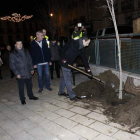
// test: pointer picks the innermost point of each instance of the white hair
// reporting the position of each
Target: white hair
(38, 32)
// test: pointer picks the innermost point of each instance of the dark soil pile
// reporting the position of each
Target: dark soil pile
(95, 90)
(109, 76)
(128, 113)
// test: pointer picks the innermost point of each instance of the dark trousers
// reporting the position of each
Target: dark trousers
(66, 82)
(12, 74)
(57, 68)
(0, 74)
(28, 83)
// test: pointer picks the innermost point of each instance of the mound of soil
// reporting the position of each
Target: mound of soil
(109, 76)
(126, 111)
(95, 90)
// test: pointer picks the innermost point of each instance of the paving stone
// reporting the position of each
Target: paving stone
(34, 117)
(23, 136)
(17, 107)
(26, 124)
(51, 127)
(13, 115)
(65, 113)
(65, 134)
(80, 110)
(82, 120)
(121, 135)
(53, 101)
(1, 131)
(103, 128)
(103, 137)
(10, 127)
(85, 132)
(41, 134)
(98, 117)
(50, 107)
(64, 105)
(138, 133)
(65, 122)
(5, 136)
(35, 108)
(2, 117)
(116, 125)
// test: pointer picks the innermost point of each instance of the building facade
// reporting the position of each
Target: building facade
(94, 16)
(10, 31)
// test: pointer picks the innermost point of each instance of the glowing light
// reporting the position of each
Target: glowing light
(51, 14)
(16, 17)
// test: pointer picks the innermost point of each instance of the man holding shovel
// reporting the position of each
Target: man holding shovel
(69, 53)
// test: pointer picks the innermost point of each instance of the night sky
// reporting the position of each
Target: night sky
(7, 7)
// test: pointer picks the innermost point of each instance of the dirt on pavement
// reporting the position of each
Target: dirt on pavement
(126, 111)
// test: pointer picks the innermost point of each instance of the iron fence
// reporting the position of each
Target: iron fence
(103, 52)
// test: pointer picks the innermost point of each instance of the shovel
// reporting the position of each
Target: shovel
(108, 84)
(95, 78)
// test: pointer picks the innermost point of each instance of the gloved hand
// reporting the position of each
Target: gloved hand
(65, 62)
(89, 72)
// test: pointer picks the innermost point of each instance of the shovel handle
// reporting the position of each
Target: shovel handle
(86, 74)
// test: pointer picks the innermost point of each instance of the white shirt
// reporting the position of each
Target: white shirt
(40, 44)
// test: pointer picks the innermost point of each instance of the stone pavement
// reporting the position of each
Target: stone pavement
(53, 117)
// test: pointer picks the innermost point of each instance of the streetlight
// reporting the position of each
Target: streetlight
(51, 14)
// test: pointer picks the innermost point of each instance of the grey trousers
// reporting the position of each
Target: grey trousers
(66, 82)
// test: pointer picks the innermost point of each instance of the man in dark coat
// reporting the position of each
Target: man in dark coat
(21, 65)
(69, 53)
(6, 58)
(55, 57)
(78, 33)
(41, 57)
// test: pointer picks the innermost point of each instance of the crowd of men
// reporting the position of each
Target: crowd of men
(43, 56)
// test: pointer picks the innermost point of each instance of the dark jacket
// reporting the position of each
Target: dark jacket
(6, 57)
(71, 51)
(38, 54)
(54, 48)
(21, 63)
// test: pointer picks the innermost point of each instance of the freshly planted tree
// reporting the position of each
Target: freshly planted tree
(110, 6)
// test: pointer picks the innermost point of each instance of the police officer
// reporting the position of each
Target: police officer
(78, 33)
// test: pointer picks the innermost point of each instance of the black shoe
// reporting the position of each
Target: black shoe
(23, 102)
(76, 98)
(58, 76)
(52, 78)
(1, 78)
(48, 88)
(34, 98)
(63, 94)
(40, 90)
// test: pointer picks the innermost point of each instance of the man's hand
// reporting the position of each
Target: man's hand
(32, 72)
(19, 77)
(35, 66)
(89, 72)
(50, 63)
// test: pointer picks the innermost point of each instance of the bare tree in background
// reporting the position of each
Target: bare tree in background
(59, 10)
(110, 6)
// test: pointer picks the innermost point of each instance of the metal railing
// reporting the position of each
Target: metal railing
(103, 52)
